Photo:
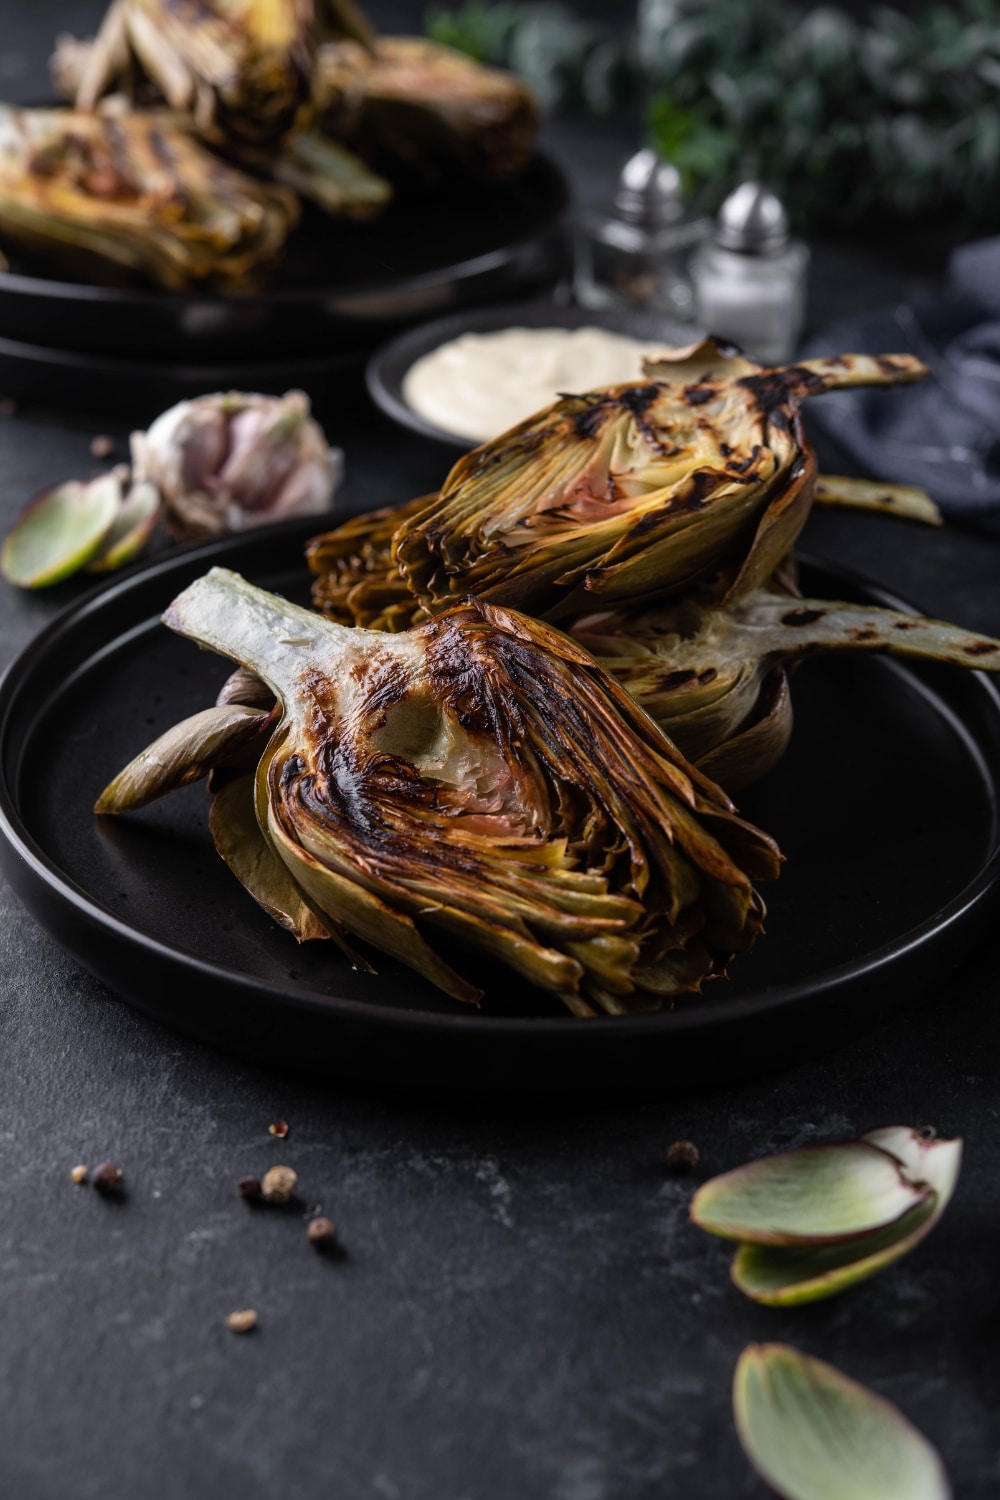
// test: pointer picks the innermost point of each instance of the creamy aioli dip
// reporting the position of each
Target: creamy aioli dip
(479, 384)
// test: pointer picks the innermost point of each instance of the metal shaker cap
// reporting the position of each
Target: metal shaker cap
(752, 219)
(649, 190)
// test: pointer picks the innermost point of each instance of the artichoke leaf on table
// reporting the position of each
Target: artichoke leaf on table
(479, 781)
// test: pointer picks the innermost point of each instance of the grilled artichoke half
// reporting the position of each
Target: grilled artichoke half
(477, 780)
(634, 492)
(357, 581)
(133, 197)
(714, 676)
(420, 112)
(243, 70)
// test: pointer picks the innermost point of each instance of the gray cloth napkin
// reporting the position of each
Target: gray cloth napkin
(943, 434)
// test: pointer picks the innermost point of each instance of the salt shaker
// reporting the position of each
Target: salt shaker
(749, 276)
(637, 255)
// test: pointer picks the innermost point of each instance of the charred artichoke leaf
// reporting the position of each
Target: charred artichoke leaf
(186, 753)
(134, 196)
(700, 670)
(242, 70)
(478, 777)
(423, 112)
(240, 842)
(357, 582)
(904, 500)
(634, 492)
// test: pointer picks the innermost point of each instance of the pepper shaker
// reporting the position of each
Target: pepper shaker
(749, 276)
(637, 255)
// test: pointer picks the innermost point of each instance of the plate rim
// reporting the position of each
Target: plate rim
(17, 842)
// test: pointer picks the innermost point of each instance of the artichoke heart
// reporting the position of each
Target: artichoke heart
(134, 197)
(633, 492)
(419, 110)
(243, 70)
(476, 784)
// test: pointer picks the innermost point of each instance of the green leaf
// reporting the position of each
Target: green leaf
(814, 1434)
(61, 530)
(819, 1194)
(130, 531)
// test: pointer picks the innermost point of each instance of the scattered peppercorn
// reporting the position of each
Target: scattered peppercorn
(682, 1156)
(79, 1174)
(321, 1232)
(278, 1185)
(243, 1321)
(108, 1179)
(102, 446)
(280, 1129)
(249, 1188)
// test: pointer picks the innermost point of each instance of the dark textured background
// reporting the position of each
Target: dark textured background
(523, 1312)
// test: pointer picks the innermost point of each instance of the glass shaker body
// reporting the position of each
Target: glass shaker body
(622, 264)
(755, 299)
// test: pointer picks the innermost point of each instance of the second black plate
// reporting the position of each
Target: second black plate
(340, 288)
(885, 882)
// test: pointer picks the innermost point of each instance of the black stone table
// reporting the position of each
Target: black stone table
(521, 1311)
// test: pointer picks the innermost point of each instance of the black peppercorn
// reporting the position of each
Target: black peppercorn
(108, 1179)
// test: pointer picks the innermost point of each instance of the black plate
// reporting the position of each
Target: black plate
(885, 806)
(341, 286)
(138, 390)
(387, 367)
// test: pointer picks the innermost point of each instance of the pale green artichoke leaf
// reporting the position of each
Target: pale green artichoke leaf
(815, 1195)
(232, 820)
(903, 500)
(185, 754)
(61, 531)
(814, 1434)
(788, 1276)
(326, 173)
(132, 528)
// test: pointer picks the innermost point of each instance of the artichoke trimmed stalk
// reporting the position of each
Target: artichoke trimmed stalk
(478, 780)
(418, 110)
(635, 492)
(134, 197)
(713, 676)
